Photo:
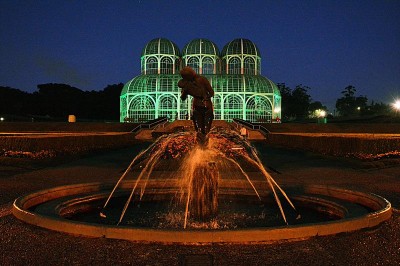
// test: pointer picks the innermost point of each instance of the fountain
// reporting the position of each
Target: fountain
(200, 167)
(182, 191)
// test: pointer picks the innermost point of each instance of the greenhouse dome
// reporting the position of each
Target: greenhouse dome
(202, 55)
(160, 56)
(240, 46)
(241, 56)
(240, 90)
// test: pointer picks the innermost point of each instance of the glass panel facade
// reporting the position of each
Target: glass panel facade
(217, 107)
(260, 95)
(122, 111)
(184, 110)
(167, 85)
(240, 90)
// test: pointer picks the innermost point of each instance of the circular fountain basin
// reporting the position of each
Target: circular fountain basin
(346, 210)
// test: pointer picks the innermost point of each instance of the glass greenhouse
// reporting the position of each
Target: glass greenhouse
(235, 75)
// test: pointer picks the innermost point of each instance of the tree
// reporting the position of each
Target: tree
(295, 104)
(108, 102)
(13, 101)
(286, 101)
(302, 101)
(57, 101)
(377, 109)
(349, 104)
(317, 105)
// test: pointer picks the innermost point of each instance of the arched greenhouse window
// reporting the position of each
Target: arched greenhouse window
(141, 109)
(166, 66)
(249, 66)
(234, 66)
(258, 109)
(193, 62)
(233, 105)
(168, 108)
(208, 66)
(152, 66)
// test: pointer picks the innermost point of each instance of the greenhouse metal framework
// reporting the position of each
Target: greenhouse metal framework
(235, 75)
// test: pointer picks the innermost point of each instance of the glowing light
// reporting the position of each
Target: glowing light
(277, 110)
(319, 113)
(1, 119)
(396, 105)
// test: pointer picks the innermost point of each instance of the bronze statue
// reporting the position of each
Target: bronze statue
(200, 89)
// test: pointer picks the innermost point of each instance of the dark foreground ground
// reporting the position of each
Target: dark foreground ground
(23, 244)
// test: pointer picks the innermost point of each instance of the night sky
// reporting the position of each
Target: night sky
(323, 44)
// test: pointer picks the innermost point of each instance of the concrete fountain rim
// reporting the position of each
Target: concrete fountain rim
(381, 211)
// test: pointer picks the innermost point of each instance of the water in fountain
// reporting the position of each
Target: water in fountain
(200, 167)
(199, 182)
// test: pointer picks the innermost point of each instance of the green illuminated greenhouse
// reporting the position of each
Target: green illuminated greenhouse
(235, 75)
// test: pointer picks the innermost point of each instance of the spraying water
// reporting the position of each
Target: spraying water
(199, 174)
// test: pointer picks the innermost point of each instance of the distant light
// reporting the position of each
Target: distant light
(319, 113)
(396, 105)
(2, 119)
(358, 108)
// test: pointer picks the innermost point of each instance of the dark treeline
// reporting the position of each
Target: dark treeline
(297, 104)
(54, 102)
(57, 101)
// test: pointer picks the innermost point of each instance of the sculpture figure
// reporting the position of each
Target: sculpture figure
(200, 89)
